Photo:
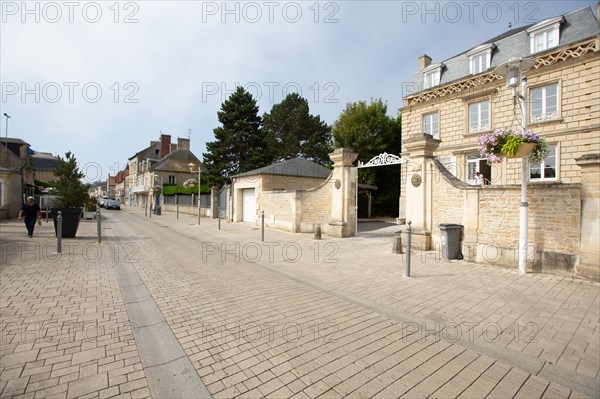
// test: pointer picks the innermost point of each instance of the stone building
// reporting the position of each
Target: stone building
(297, 195)
(450, 104)
(162, 162)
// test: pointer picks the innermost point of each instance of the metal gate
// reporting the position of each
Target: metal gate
(382, 159)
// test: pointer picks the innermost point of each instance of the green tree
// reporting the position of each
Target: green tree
(239, 144)
(291, 131)
(368, 130)
(67, 186)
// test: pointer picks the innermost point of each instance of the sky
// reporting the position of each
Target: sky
(102, 79)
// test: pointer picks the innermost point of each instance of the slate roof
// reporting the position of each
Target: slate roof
(179, 154)
(300, 167)
(44, 162)
(577, 25)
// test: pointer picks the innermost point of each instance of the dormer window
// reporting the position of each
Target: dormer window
(545, 35)
(431, 75)
(480, 58)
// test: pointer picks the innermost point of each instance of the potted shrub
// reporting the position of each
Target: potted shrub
(71, 194)
(509, 143)
(90, 207)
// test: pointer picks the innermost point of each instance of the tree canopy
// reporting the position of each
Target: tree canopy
(239, 144)
(369, 131)
(291, 131)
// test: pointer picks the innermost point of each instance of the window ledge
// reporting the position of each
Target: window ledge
(545, 122)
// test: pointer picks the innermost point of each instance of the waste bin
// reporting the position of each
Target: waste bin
(451, 234)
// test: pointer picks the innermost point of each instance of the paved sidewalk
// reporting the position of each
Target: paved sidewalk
(290, 317)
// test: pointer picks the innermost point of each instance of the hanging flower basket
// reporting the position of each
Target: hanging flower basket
(508, 143)
(524, 150)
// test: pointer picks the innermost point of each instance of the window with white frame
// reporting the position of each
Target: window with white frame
(432, 75)
(545, 170)
(545, 34)
(479, 116)
(480, 58)
(544, 103)
(171, 179)
(431, 125)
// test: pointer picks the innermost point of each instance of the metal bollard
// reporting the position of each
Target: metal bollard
(47, 212)
(262, 235)
(177, 211)
(146, 210)
(150, 210)
(408, 249)
(397, 245)
(59, 233)
(317, 232)
(98, 225)
(219, 216)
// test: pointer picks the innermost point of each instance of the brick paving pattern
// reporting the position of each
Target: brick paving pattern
(291, 317)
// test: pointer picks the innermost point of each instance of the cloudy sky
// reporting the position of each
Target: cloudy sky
(102, 79)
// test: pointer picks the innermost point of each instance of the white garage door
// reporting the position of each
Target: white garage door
(248, 205)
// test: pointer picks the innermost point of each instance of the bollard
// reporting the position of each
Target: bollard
(408, 233)
(150, 210)
(262, 233)
(177, 211)
(98, 226)
(219, 216)
(317, 232)
(59, 233)
(47, 212)
(146, 209)
(397, 244)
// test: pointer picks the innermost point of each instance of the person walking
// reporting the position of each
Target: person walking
(31, 210)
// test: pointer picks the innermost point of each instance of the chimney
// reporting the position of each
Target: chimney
(424, 61)
(165, 145)
(183, 144)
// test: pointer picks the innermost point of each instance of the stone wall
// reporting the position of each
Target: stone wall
(297, 211)
(491, 222)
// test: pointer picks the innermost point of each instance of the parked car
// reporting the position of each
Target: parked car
(102, 202)
(112, 204)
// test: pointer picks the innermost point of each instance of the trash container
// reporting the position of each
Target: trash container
(451, 234)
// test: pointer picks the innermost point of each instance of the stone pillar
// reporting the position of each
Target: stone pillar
(589, 260)
(214, 202)
(419, 179)
(342, 222)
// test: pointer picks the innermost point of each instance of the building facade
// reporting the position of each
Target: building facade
(452, 103)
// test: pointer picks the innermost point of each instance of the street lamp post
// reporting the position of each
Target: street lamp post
(6, 130)
(513, 69)
(191, 166)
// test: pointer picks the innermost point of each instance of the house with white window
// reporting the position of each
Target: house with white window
(453, 102)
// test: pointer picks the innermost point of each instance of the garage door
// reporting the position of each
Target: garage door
(248, 205)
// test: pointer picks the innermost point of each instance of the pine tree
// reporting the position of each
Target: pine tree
(239, 144)
(292, 132)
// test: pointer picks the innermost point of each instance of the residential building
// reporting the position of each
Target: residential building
(16, 176)
(168, 161)
(453, 102)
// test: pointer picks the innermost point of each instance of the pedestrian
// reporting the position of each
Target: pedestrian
(31, 211)
(479, 179)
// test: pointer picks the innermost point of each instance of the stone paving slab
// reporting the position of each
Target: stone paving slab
(64, 328)
(294, 317)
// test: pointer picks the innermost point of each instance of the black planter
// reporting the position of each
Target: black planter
(70, 220)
